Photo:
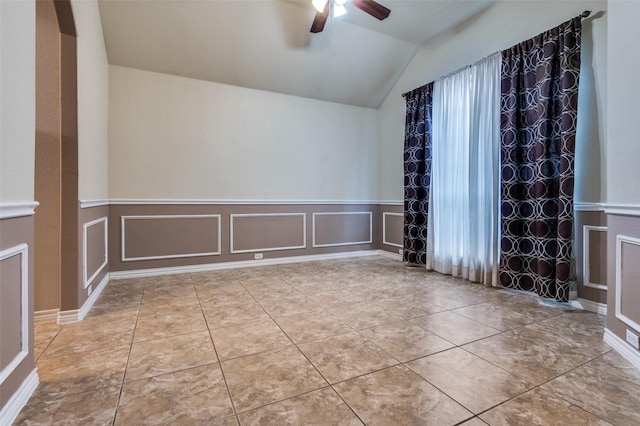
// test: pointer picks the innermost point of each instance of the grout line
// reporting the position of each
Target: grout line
(233, 405)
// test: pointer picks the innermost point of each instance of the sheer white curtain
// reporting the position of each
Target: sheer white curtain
(463, 231)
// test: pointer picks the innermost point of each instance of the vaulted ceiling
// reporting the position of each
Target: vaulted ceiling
(266, 44)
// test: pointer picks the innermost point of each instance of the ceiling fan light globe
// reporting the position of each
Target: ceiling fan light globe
(338, 10)
(319, 5)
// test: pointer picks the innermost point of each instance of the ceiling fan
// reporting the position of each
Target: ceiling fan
(323, 8)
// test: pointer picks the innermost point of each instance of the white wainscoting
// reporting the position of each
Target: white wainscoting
(18, 209)
(586, 266)
(384, 228)
(123, 220)
(89, 279)
(19, 399)
(620, 241)
(21, 250)
(344, 243)
(232, 217)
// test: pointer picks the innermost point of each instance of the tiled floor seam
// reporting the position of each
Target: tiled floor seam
(126, 365)
(226, 384)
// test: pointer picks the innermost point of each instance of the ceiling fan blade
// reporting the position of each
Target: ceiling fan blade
(320, 20)
(371, 7)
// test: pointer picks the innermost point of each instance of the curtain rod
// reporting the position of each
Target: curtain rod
(583, 15)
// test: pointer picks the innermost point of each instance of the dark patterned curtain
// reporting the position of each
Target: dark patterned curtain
(539, 105)
(417, 173)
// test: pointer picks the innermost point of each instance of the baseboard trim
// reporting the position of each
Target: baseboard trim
(75, 315)
(242, 264)
(622, 348)
(19, 399)
(47, 315)
(390, 255)
(589, 305)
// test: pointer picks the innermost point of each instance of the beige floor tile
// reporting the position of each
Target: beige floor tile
(409, 306)
(364, 315)
(174, 279)
(233, 314)
(613, 363)
(43, 335)
(167, 291)
(211, 293)
(607, 396)
(471, 381)
(246, 339)
(397, 396)
(170, 322)
(81, 372)
(474, 422)
(312, 326)
(170, 354)
(321, 407)
(267, 377)
(454, 328)
(406, 341)
(159, 307)
(194, 396)
(538, 407)
(93, 334)
(289, 305)
(96, 407)
(348, 355)
(497, 317)
(536, 356)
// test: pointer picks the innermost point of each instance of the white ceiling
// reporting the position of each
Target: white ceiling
(266, 44)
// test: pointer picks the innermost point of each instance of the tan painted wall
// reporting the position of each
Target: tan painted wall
(17, 99)
(14, 232)
(93, 102)
(179, 138)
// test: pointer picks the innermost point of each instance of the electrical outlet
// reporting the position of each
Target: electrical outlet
(632, 339)
(257, 256)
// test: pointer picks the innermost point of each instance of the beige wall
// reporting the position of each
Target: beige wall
(624, 103)
(499, 27)
(178, 138)
(93, 102)
(17, 99)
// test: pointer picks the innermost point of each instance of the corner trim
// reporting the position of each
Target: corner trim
(348, 243)
(23, 251)
(200, 201)
(123, 219)
(18, 209)
(241, 264)
(232, 234)
(622, 348)
(586, 276)
(85, 227)
(48, 315)
(75, 315)
(589, 305)
(384, 228)
(86, 204)
(620, 239)
(19, 399)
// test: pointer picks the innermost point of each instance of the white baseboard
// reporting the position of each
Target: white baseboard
(48, 315)
(75, 315)
(19, 399)
(588, 305)
(622, 347)
(242, 264)
(390, 254)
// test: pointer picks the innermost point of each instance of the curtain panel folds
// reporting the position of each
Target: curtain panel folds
(464, 222)
(539, 111)
(417, 173)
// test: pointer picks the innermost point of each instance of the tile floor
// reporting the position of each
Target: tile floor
(343, 342)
